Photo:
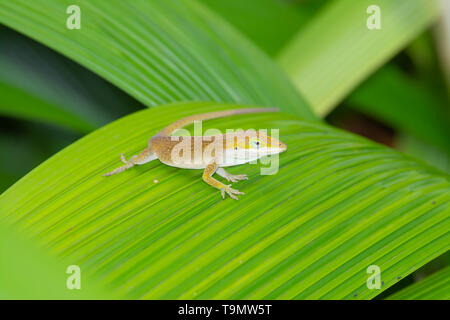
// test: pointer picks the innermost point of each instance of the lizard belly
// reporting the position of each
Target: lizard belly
(185, 165)
(233, 162)
(202, 163)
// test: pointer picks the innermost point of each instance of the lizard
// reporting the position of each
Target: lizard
(217, 151)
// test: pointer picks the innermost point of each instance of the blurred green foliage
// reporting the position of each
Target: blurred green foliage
(269, 23)
(48, 101)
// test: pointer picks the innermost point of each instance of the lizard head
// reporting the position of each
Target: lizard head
(261, 142)
(254, 145)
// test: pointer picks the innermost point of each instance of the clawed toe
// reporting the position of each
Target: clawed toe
(231, 192)
(237, 177)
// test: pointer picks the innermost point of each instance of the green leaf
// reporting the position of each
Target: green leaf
(338, 204)
(19, 103)
(6, 179)
(336, 51)
(26, 145)
(268, 23)
(27, 272)
(405, 105)
(433, 287)
(424, 151)
(27, 94)
(55, 90)
(159, 51)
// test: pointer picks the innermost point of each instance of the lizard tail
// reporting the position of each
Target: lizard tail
(167, 131)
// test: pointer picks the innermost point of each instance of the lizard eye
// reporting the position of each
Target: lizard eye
(256, 143)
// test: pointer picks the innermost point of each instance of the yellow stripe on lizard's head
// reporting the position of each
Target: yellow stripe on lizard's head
(255, 140)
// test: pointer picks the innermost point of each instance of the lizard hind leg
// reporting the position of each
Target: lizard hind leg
(127, 165)
(145, 156)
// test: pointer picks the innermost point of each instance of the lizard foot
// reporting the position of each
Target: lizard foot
(231, 192)
(236, 177)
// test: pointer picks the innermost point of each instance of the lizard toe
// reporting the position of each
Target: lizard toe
(232, 192)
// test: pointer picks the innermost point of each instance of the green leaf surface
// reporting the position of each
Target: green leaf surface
(27, 272)
(336, 51)
(433, 287)
(159, 51)
(338, 204)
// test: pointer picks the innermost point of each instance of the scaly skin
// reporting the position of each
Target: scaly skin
(211, 153)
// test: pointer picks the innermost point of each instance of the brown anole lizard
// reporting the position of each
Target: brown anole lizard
(215, 152)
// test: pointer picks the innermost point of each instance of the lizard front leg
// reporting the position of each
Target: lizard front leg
(207, 177)
(231, 177)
